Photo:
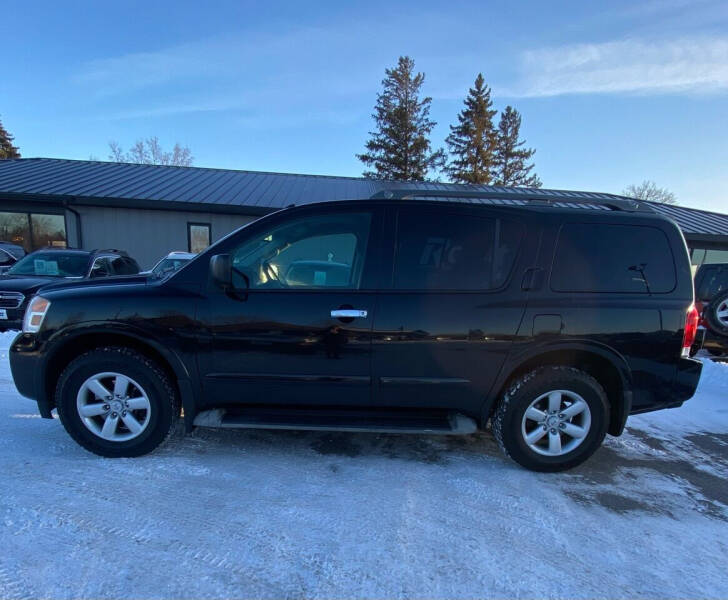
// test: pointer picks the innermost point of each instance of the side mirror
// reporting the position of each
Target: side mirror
(221, 270)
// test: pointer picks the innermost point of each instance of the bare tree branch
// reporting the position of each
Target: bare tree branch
(648, 190)
(151, 152)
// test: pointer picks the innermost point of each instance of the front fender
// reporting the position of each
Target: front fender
(73, 337)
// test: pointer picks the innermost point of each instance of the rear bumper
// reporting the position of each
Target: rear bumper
(685, 382)
(686, 379)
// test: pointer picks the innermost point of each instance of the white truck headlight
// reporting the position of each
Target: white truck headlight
(35, 313)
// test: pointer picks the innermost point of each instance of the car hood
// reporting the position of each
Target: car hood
(19, 283)
(101, 281)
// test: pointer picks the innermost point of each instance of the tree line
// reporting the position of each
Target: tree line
(399, 148)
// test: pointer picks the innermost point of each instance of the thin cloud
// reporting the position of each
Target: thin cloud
(628, 66)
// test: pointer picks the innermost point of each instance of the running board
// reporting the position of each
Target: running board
(450, 423)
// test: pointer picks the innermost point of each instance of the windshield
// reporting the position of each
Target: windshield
(168, 265)
(51, 264)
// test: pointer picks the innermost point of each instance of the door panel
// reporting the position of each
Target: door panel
(285, 348)
(443, 345)
(440, 350)
(272, 335)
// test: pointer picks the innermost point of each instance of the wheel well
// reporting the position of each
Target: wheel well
(72, 349)
(595, 365)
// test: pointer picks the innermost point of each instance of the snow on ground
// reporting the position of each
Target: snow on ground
(280, 514)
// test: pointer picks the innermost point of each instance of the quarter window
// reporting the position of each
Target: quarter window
(447, 251)
(319, 252)
(596, 257)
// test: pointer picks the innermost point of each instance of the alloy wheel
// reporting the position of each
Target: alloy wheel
(556, 423)
(113, 406)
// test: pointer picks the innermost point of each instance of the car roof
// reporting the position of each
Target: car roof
(56, 249)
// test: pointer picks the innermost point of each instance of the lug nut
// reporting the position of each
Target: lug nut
(561, 416)
(545, 428)
(123, 414)
(106, 407)
(114, 415)
(562, 425)
(553, 432)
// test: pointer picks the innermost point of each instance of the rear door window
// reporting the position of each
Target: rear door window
(713, 281)
(123, 266)
(602, 258)
(437, 250)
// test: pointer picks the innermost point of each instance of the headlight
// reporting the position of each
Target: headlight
(35, 313)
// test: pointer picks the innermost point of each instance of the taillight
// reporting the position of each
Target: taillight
(701, 312)
(691, 330)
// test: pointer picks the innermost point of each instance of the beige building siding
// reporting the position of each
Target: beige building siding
(145, 234)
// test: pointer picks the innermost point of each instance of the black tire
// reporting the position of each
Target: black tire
(711, 314)
(508, 418)
(164, 404)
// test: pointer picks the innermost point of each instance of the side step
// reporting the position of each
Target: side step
(321, 419)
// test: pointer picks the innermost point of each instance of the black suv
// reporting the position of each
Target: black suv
(9, 255)
(49, 267)
(399, 313)
(711, 300)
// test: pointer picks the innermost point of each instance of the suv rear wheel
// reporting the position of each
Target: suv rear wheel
(717, 314)
(552, 418)
(116, 402)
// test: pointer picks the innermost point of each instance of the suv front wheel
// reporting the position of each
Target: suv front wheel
(116, 402)
(552, 418)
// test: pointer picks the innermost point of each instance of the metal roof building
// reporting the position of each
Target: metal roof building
(150, 210)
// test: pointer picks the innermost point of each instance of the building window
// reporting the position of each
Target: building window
(198, 236)
(33, 231)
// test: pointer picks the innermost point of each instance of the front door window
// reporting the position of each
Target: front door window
(322, 252)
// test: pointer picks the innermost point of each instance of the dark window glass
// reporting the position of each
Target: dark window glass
(14, 228)
(612, 258)
(446, 251)
(5, 258)
(198, 236)
(48, 230)
(123, 266)
(169, 265)
(102, 267)
(325, 251)
(713, 281)
(52, 264)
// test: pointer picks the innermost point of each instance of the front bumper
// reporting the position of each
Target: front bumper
(27, 367)
(14, 320)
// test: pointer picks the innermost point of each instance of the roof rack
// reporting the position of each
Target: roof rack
(116, 251)
(624, 204)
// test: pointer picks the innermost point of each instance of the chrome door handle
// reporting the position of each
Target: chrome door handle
(348, 313)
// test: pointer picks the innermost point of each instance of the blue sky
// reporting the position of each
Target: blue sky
(611, 93)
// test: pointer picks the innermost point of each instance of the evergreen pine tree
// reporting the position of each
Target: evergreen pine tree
(400, 148)
(511, 158)
(473, 140)
(7, 150)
